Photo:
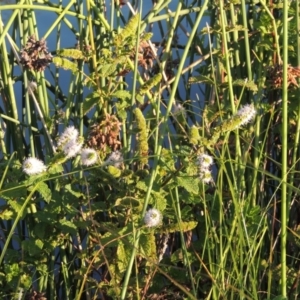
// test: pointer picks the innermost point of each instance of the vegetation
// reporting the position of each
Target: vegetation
(155, 159)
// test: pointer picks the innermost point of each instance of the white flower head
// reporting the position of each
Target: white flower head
(33, 166)
(205, 176)
(72, 148)
(153, 217)
(70, 134)
(88, 156)
(204, 161)
(246, 113)
(115, 159)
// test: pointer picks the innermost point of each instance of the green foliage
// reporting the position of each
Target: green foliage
(77, 231)
(65, 64)
(143, 136)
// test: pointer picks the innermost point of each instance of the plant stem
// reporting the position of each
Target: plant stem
(284, 204)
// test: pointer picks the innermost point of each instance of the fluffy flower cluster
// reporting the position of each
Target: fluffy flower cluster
(204, 162)
(153, 217)
(88, 156)
(69, 142)
(33, 166)
(242, 117)
(115, 159)
(246, 114)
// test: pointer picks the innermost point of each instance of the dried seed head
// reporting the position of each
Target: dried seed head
(106, 133)
(35, 55)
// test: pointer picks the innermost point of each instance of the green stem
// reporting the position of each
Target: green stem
(284, 203)
(17, 219)
(226, 54)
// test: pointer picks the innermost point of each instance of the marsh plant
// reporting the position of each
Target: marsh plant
(155, 157)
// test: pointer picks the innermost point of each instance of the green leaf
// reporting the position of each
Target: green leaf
(11, 271)
(122, 94)
(73, 53)
(33, 247)
(247, 84)
(55, 169)
(90, 101)
(128, 202)
(67, 227)
(123, 257)
(200, 79)
(191, 184)
(6, 214)
(182, 226)
(76, 194)
(115, 172)
(17, 207)
(107, 70)
(122, 114)
(44, 191)
(65, 64)
(148, 246)
(129, 31)
(158, 200)
(11, 191)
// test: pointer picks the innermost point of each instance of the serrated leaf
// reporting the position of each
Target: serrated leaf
(142, 185)
(65, 64)
(123, 258)
(67, 226)
(122, 94)
(107, 70)
(15, 205)
(115, 172)
(33, 247)
(248, 84)
(122, 114)
(90, 101)
(189, 183)
(73, 53)
(6, 214)
(128, 202)
(55, 169)
(44, 191)
(182, 226)
(200, 79)
(158, 199)
(129, 30)
(148, 246)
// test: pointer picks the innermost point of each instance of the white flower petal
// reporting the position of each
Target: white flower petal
(72, 148)
(153, 217)
(33, 166)
(204, 161)
(246, 113)
(115, 159)
(88, 156)
(70, 134)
